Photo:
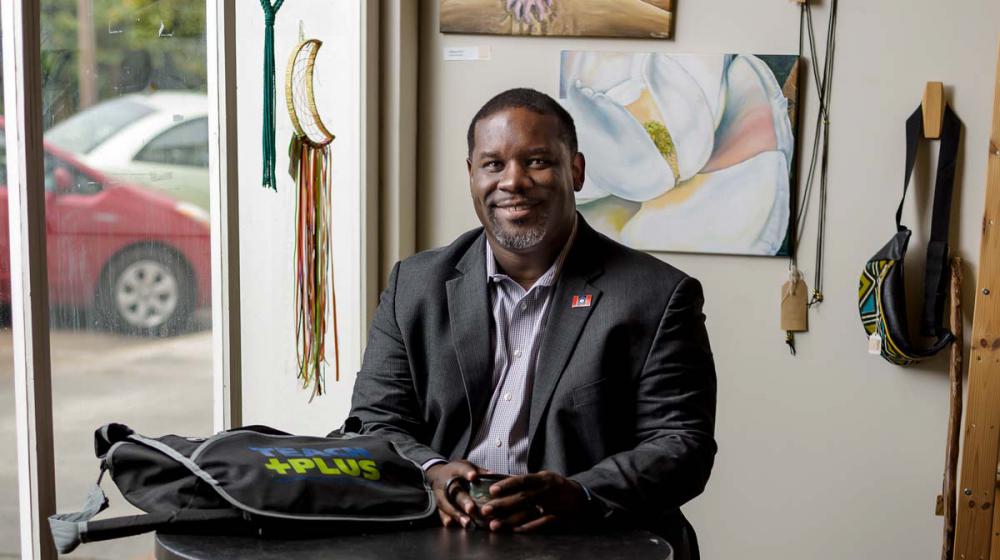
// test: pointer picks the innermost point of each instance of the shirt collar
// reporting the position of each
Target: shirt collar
(547, 279)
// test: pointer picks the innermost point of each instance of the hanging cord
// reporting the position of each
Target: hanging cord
(269, 177)
(827, 85)
(819, 159)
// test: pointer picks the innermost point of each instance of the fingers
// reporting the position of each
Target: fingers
(508, 505)
(455, 506)
(446, 519)
(464, 501)
(516, 484)
(447, 508)
(515, 519)
(535, 524)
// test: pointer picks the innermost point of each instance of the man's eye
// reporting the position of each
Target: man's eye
(492, 164)
(539, 162)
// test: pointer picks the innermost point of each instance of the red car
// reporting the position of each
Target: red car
(140, 259)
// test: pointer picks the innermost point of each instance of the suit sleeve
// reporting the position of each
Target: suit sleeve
(675, 419)
(385, 398)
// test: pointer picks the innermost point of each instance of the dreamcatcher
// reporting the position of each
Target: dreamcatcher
(309, 166)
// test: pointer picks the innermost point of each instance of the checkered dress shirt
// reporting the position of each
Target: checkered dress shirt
(501, 442)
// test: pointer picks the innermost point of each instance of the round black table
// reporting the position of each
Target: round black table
(435, 542)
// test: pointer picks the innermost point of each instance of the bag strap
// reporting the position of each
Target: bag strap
(71, 529)
(914, 131)
(68, 528)
(935, 278)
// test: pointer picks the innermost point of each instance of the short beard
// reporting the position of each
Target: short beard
(522, 240)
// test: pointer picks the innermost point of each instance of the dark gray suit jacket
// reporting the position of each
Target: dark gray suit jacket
(623, 398)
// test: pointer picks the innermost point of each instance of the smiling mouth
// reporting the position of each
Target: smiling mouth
(516, 204)
(515, 212)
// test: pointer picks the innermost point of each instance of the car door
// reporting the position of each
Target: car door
(84, 226)
(55, 295)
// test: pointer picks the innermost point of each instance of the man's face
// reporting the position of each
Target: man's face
(522, 178)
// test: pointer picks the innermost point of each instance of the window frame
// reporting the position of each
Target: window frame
(29, 286)
(29, 306)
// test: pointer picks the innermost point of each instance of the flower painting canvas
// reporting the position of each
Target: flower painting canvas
(644, 19)
(685, 152)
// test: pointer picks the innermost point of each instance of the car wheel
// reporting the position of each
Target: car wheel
(147, 291)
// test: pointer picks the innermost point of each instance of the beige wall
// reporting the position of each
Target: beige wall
(271, 393)
(834, 453)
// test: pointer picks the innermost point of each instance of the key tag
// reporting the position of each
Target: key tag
(795, 303)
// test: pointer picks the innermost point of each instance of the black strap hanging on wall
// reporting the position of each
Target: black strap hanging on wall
(935, 279)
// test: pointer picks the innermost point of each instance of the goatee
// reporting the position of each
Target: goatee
(522, 238)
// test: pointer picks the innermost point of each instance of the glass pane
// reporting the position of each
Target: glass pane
(184, 144)
(10, 544)
(86, 130)
(128, 241)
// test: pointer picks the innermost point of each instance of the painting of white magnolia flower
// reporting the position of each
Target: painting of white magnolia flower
(685, 152)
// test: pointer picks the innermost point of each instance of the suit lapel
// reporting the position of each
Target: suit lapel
(470, 317)
(565, 322)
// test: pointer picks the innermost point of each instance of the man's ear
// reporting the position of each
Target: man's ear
(579, 168)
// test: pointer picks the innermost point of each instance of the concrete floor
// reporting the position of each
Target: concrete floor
(154, 385)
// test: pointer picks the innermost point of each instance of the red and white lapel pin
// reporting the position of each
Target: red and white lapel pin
(582, 301)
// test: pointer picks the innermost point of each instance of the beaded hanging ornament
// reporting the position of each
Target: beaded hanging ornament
(309, 166)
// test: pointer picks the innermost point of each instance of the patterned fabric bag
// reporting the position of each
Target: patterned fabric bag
(882, 292)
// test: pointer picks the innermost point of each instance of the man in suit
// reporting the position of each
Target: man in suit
(536, 347)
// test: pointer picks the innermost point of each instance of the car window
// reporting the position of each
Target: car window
(185, 144)
(87, 129)
(81, 183)
(78, 181)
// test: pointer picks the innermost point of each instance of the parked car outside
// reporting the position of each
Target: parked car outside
(138, 258)
(159, 140)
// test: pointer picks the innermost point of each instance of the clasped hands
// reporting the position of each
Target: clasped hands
(521, 503)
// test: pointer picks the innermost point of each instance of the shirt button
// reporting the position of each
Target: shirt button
(507, 397)
(498, 443)
(517, 353)
(524, 306)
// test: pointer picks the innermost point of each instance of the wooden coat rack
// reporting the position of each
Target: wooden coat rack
(977, 529)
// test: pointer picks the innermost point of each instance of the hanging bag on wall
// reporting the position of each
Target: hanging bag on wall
(252, 478)
(882, 292)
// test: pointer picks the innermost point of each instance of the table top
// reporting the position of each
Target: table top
(434, 542)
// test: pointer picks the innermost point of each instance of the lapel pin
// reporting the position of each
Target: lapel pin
(582, 301)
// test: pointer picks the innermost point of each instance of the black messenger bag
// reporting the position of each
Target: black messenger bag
(253, 478)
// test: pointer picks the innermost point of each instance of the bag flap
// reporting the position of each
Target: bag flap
(358, 478)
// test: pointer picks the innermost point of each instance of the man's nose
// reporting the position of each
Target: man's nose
(515, 177)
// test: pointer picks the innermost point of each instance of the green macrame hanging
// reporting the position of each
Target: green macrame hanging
(270, 178)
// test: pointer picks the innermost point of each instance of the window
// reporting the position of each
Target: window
(130, 260)
(184, 144)
(84, 131)
(129, 275)
(10, 545)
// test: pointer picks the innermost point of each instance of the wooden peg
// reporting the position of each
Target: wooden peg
(933, 109)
